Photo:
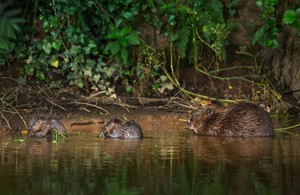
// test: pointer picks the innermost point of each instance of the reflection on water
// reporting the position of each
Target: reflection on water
(170, 160)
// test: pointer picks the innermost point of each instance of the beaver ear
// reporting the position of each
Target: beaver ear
(209, 112)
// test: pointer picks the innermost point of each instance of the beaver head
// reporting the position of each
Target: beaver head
(110, 126)
(204, 121)
(37, 122)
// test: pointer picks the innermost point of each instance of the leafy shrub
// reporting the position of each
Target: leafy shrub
(9, 27)
(192, 23)
(94, 44)
(266, 35)
(74, 37)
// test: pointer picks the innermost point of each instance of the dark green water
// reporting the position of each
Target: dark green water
(168, 161)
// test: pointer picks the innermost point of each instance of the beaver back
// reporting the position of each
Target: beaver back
(114, 128)
(242, 120)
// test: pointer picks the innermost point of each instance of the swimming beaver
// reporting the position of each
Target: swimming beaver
(42, 126)
(115, 128)
(241, 120)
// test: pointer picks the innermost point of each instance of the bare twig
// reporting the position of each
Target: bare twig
(53, 103)
(88, 104)
(6, 121)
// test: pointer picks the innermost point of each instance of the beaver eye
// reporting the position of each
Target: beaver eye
(209, 111)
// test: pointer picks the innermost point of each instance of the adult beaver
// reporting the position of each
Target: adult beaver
(240, 120)
(115, 128)
(43, 126)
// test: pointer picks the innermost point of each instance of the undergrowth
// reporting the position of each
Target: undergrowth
(98, 47)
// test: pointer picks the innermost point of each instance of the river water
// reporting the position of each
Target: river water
(169, 160)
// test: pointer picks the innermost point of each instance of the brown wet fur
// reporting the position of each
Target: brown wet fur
(116, 128)
(240, 120)
(42, 126)
(110, 125)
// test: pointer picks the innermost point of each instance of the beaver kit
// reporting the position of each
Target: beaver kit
(240, 120)
(43, 126)
(115, 128)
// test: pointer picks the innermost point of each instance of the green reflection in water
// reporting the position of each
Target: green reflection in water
(178, 164)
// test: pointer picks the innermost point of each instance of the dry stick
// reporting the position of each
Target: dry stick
(18, 114)
(44, 91)
(88, 104)
(5, 119)
(180, 104)
(53, 103)
(95, 99)
(122, 105)
(98, 93)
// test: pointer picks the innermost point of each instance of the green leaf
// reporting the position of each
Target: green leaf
(259, 3)
(270, 9)
(124, 31)
(273, 2)
(4, 43)
(273, 43)
(124, 54)
(123, 41)
(87, 72)
(57, 44)
(114, 33)
(47, 47)
(113, 47)
(129, 89)
(127, 72)
(155, 86)
(289, 17)
(133, 39)
(41, 76)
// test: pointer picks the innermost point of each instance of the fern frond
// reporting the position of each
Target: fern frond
(183, 39)
(215, 10)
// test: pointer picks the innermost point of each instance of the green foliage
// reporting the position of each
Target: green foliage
(292, 18)
(120, 40)
(95, 44)
(230, 6)
(266, 35)
(193, 23)
(56, 136)
(73, 43)
(9, 26)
